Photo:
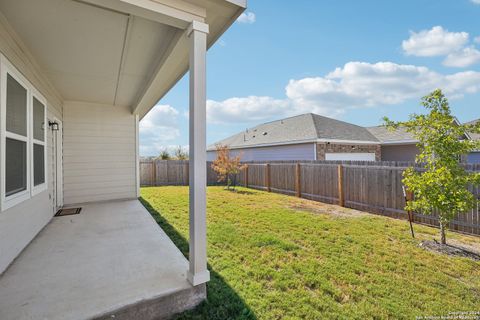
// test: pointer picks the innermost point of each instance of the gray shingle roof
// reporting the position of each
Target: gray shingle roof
(301, 128)
(385, 135)
(475, 136)
(332, 129)
(312, 127)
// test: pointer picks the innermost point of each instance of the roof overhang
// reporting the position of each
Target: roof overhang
(174, 65)
(335, 141)
(458, 123)
(399, 142)
(125, 53)
(338, 141)
(262, 145)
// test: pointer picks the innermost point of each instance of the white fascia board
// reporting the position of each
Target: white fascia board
(268, 144)
(399, 142)
(338, 141)
(239, 3)
(260, 145)
(176, 13)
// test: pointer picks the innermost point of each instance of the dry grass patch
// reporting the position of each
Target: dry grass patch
(323, 208)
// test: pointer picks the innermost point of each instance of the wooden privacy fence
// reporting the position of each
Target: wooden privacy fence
(371, 187)
(170, 173)
(374, 187)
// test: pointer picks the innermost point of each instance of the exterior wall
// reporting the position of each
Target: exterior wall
(21, 223)
(304, 151)
(99, 153)
(474, 157)
(323, 148)
(399, 152)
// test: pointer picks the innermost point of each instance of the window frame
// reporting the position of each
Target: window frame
(6, 202)
(36, 189)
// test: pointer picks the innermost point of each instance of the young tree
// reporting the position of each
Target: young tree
(227, 167)
(443, 183)
(181, 153)
(164, 155)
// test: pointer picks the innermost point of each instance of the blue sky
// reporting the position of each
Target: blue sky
(352, 60)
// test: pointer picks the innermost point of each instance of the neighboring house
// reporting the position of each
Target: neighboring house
(75, 79)
(314, 137)
(474, 157)
(397, 145)
(304, 137)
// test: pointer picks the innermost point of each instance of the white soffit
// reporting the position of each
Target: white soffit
(94, 54)
(147, 42)
(89, 53)
(221, 14)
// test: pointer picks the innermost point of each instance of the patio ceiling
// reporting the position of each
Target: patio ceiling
(82, 48)
(112, 52)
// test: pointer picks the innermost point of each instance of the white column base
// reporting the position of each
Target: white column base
(199, 278)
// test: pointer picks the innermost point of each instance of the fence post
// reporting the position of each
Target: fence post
(341, 196)
(267, 176)
(297, 181)
(154, 173)
(246, 176)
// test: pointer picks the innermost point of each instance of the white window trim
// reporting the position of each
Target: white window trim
(43, 186)
(7, 202)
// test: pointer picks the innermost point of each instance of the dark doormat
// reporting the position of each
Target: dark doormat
(67, 212)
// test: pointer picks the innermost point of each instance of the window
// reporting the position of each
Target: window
(16, 166)
(38, 145)
(23, 137)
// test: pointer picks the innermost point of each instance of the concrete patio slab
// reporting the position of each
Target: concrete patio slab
(110, 261)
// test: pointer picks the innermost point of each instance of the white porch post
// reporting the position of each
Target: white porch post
(198, 273)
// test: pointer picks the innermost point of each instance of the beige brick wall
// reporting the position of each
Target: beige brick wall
(323, 148)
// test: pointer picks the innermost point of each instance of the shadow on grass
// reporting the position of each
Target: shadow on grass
(222, 300)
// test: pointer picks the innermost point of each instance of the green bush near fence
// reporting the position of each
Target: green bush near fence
(278, 257)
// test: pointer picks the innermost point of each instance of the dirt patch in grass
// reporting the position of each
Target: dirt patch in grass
(455, 249)
(322, 208)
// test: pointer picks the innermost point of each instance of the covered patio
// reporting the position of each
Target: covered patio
(112, 259)
(76, 77)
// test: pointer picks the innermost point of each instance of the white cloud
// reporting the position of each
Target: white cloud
(434, 42)
(463, 58)
(355, 85)
(247, 17)
(440, 42)
(252, 108)
(475, 1)
(158, 129)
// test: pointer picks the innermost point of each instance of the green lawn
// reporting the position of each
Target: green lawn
(278, 257)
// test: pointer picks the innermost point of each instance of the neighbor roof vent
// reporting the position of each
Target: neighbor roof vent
(264, 133)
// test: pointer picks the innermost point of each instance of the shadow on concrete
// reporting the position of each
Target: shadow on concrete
(222, 300)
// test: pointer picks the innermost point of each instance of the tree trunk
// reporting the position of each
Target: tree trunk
(443, 236)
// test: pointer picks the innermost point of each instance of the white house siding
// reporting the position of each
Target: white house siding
(399, 152)
(304, 151)
(99, 156)
(19, 224)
